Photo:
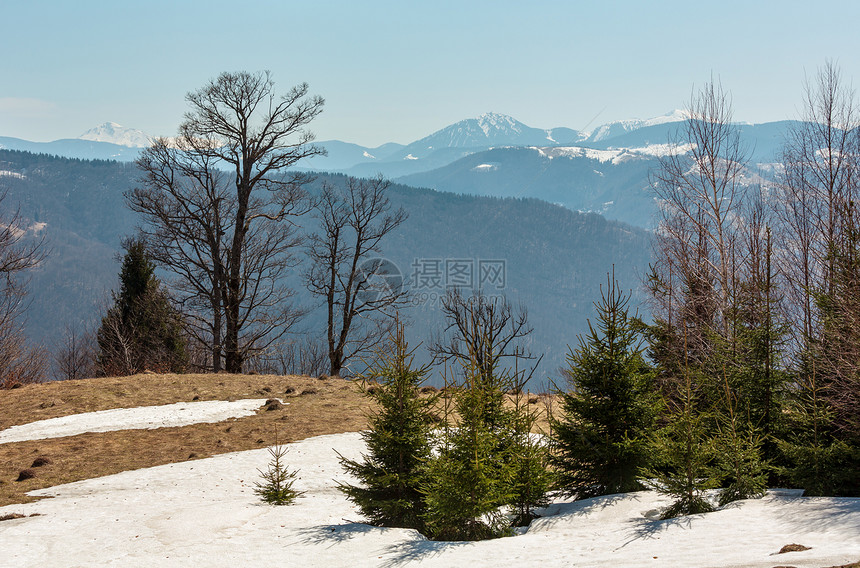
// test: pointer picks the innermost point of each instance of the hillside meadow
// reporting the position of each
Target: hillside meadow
(314, 406)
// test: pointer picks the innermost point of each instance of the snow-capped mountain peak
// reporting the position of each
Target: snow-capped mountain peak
(492, 121)
(117, 134)
(488, 129)
(677, 115)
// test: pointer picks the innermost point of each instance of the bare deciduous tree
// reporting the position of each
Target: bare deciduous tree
(306, 356)
(699, 185)
(821, 243)
(218, 202)
(20, 363)
(487, 334)
(819, 182)
(74, 357)
(359, 296)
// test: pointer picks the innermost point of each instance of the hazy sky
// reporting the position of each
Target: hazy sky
(396, 71)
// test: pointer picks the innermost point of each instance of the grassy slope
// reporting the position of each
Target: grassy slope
(316, 407)
(328, 407)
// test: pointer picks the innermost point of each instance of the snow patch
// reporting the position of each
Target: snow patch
(486, 167)
(410, 157)
(140, 418)
(180, 514)
(369, 155)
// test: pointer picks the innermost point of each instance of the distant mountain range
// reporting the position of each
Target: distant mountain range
(604, 170)
(467, 136)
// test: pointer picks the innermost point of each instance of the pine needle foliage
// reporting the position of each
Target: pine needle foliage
(276, 487)
(398, 440)
(817, 460)
(470, 480)
(141, 330)
(687, 450)
(488, 470)
(531, 478)
(740, 463)
(601, 441)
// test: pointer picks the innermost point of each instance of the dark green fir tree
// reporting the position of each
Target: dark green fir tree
(686, 448)
(469, 482)
(141, 331)
(530, 479)
(398, 441)
(276, 485)
(601, 441)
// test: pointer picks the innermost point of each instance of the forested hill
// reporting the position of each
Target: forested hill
(553, 259)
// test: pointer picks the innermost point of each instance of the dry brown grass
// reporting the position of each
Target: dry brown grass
(316, 407)
(337, 406)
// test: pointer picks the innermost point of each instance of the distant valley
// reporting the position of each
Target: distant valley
(554, 260)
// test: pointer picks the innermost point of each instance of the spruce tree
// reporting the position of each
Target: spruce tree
(398, 441)
(276, 487)
(530, 479)
(817, 459)
(141, 330)
(487, 461)
(738, 446)
(469, 481)
(601, 442)
(686, 449)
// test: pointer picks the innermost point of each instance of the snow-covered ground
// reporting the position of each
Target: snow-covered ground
(140, 418)
(204, 512)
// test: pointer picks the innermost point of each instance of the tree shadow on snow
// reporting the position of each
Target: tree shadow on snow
(645, 528)
(410, 551)
(824, 513)
(559, 513)
(334, 534)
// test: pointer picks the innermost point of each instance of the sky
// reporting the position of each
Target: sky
(395, 71)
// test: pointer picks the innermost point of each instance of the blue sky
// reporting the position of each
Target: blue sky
(396, 71)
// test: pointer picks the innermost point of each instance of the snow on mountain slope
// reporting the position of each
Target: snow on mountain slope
(490, 129)
(618, 127)
(117, 134)
(613, 155)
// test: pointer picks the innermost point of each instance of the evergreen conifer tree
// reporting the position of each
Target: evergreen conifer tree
(602, 441)
(469, 481)
(818, 461)
(738, 446)
(276, 487)
(398, 441)
(141, 330)
(686, 448)
(530, 479)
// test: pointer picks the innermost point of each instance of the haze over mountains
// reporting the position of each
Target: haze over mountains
(552, 260)
(512, 179)
(604, 170)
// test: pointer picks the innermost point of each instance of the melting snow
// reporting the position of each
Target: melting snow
(205, 511)
(140, 418)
